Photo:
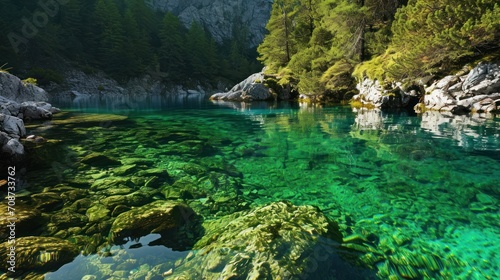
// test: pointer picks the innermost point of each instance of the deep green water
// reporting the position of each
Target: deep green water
(431, 181)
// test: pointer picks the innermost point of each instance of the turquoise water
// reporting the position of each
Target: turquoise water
(410, 185)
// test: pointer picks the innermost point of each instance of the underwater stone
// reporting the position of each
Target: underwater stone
(67, 218)
(137, 198)
(119, 209)
(39, 253)
(276, 239)
(124, 170)
(99, 160)
(88, 119)
(138, 161)
(80, 205)
(48, 201)
(97, 213)
(111, 182)
(220, 164)
(486, 199)
(191, 147)
(68, 193)
(163, 217)
(188, 167)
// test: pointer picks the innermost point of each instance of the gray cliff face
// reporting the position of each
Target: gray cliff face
(218, 16)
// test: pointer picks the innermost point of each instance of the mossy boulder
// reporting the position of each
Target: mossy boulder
(100, 160)
(294, 242)
(170, 219)
(111, 182)
(39, 253)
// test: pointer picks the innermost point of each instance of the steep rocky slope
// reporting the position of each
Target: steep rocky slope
(220, 16)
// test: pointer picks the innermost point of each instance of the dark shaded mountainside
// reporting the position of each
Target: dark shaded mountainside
(178, 42)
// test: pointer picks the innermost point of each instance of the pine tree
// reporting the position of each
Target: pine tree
(202, 53)
(430, 37)
(171, 54)
(111, 38)
(278, 46)
(71, 23)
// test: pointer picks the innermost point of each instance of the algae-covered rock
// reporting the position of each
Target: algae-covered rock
(221, 165)
(97, 213)
(221, 190)
(137, 198)
(39, 253)
(124, 169)
(111, 182)
(187, 167)
(163, 217)
(190, 147)
(99, 160)
(48, 201)
(279, 239)
(88, 119)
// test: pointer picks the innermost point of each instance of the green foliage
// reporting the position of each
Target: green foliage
(430, 37)
(323, 46)
(315, 44)
(171, 54)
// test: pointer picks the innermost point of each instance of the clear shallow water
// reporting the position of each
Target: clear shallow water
(423, 185)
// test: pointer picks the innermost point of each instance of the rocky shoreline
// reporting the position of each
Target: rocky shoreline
(475, 90)
(20, 102)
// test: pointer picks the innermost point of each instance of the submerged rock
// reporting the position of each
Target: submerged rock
(39, 253)
(169, 219)
(279, 239)
(99, 160)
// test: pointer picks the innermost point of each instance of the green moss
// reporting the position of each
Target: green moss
(31, 81)
(359, 104)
